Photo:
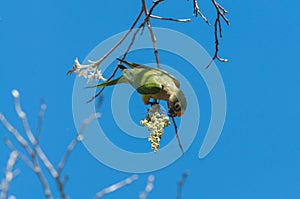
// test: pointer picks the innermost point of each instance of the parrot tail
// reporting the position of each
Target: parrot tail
(109, 83)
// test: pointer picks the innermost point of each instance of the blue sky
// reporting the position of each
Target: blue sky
(257, 155)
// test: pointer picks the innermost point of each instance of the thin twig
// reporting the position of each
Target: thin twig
(198, 12)
(21, 156)
(119, 43)
(24, 144)
(177, 136)
(218, 31)
(40, 119)
(148, 188)
(37, 151)
(116, 186)
(70, 148)
(221, 11)
(16, 134)
(170, 19)
(30, 135)
(153, 38)
(131, 42)
(36, 167)
(99, 61)
(181, 182)
(74, 142)
(9, 174)
(142, 25)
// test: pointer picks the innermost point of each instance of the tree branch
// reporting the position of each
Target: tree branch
(146, 20)
(218, 31)
(153, 38)
(177, 136)
(148, 188)
(37, 151)
(116, 186)
(9, 174)
(98, 62)
(198, 12)
(181, 182)
(40, 119)
(20, 155)
(75, 141)
(170, 19)
(24, 144)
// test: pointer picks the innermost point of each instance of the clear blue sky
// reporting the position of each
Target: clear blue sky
(257, 155)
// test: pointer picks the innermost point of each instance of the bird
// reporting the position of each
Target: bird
(151, 83)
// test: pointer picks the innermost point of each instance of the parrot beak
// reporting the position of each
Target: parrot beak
(175, 114)
(179, 114)
(171, 113)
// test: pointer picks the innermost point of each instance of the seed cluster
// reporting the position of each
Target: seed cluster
(155, 121)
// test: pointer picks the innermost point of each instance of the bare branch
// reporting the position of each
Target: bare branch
(98, 62)
(74, 142)
(32, 139)
(142, 25)
(37, 151)
(21, 156)
(153, 38)
(181, 182)
(146, 20)
(24, 144)
(148, 188)
(170, 19)
(9, 174)
(16, 134)
(221, 11)
(116, 186)
(116, 68)
(198, 12)
(218, 31)
(36, 167)
(132, 42)
(40, 119)
(70, 148)
(177, 136)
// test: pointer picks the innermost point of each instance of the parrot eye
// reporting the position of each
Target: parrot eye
(177, 107)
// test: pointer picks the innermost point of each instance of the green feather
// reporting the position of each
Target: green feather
(110, 83)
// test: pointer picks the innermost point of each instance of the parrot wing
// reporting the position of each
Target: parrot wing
(177, 83)
(163, 72)
(143, 79)
(150, 88)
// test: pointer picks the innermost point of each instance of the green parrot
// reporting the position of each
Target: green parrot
(152, 83)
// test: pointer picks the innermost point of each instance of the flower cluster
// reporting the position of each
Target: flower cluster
(155, 121)
(89, 72)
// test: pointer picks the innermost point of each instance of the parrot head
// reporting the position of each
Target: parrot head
(177, 104)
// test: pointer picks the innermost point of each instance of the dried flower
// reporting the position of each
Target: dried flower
(89, 72)
(95, 74)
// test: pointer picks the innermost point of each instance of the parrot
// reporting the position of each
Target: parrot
(151, 83)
